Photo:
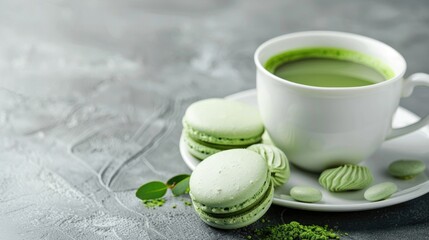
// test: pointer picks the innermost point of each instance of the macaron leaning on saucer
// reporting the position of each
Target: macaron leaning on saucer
(232, 188)
(214, 125)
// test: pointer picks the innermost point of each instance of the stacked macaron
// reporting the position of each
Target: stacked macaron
(214, 125)
(231, 189)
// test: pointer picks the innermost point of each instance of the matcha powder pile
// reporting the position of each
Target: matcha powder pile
(296, 231)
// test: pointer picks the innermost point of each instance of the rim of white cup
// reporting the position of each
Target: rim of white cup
(357, 37)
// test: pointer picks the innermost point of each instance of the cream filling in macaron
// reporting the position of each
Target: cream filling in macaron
(235, 208)
(239, 219)
(222, 140)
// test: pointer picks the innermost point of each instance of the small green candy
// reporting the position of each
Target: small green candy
(406, 169)
(380, 191)
(306, 194)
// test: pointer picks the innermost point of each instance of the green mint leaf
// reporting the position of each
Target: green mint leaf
(171, 183)
(151, 190)
(181, 187)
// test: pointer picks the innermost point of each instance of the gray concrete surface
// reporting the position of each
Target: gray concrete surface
(92, 94)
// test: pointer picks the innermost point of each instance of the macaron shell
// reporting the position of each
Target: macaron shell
(241, 220)
(200, 149)
(223, 119)
(197, 150)
(236, 208)
(216, 139)
(228, 178)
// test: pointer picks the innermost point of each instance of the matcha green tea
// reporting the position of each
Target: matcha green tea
(328, 67)
(324, 72)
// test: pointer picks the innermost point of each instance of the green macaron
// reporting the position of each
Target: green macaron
(202, 150)
(406, 169)
(231, 189)
(213, 125)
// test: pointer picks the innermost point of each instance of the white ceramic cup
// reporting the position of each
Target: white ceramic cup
(322, 127)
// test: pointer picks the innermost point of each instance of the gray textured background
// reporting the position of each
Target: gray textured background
(92, 93)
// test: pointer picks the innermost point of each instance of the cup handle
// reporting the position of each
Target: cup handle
(417, 79)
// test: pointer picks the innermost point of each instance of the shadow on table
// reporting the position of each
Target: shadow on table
(404, 214)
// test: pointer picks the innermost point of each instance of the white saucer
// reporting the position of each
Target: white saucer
(411, 146)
